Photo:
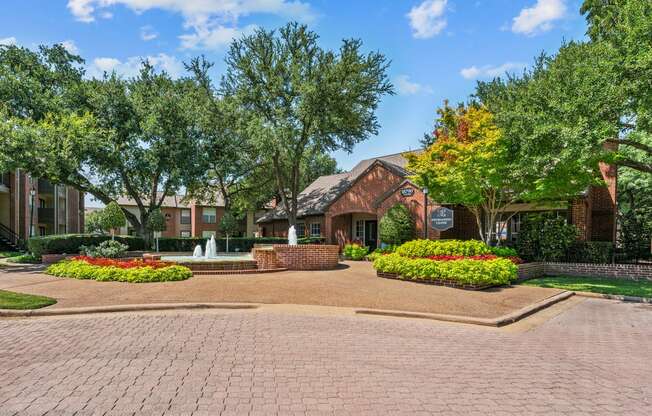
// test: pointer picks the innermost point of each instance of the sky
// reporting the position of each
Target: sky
(438, 48)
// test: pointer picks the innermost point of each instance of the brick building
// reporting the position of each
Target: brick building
(183, 217)
(347, 206)
(37, 207)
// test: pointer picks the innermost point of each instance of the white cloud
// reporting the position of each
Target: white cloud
(490, 71)
(539, 17)
(8, 41)
(209, 37)
(147, 33)
(131, 66)
(427, 19)
(405, 86)
(210, 21)
(70, 46)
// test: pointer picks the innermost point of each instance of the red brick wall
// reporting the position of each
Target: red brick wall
(415, 204)
(276, 228)
(465, 226)
(307, 256)
(341, 229)
(365, 192)
(197, 223)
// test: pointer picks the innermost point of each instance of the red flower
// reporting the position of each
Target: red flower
(122, 264)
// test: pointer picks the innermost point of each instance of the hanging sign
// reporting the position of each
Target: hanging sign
(441, 219)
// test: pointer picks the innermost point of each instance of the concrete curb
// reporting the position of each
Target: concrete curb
(623, 298)
(122, 308)
(495, 322)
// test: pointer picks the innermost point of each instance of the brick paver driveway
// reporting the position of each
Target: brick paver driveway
(595, 357)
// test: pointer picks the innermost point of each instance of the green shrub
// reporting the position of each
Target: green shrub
(24, 259)
(589, 252)
(78, 269)
(471, 272)
(425, 248)
(70, 243)
(355, 251)
(108, 249)
(396, 226)
(380, 251)
(545, 237)
(504, 251)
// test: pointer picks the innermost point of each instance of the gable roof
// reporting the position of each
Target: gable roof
(319, 195)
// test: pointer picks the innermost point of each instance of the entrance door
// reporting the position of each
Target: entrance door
(371, 234)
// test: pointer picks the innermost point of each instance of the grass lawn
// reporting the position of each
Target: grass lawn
(12, 300)
(596, 285)
(4, 254)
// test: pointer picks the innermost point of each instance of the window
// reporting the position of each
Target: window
(42, 232)
(501, 230)
(207, 234)
(209, 215)
(301, 229)
(185, 234)
(515, 227)
(185, 216)
(315, 229)
(359, 230)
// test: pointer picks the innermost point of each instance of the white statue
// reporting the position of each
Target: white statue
(198, 252)
(292, 236)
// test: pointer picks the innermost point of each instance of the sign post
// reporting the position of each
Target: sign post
(442, 219)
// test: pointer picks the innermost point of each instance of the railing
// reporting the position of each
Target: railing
(11, 236)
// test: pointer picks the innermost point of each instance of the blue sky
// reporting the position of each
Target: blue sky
(438, 48)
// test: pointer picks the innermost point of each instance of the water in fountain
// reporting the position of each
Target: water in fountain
(211, 248)
(292, 236)
(198, 252)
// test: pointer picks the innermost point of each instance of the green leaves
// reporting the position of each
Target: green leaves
(302, 100)
(396, 226)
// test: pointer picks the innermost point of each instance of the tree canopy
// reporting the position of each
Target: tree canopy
(303, 101)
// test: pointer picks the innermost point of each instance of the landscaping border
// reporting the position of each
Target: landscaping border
(439, 282)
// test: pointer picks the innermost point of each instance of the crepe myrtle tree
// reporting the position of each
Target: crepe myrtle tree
(106, 137)
(302, 100)
(156, 224)
(112, 217)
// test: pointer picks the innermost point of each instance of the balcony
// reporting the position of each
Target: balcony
(45, 187)
(46, 215)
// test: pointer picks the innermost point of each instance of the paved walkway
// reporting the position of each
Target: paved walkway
(591, 358)
(354, 285)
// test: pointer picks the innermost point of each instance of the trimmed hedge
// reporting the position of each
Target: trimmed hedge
(599, 252)
(70, 243)
(79, 269)
(470, 272)
(426, 248)
(241, 244)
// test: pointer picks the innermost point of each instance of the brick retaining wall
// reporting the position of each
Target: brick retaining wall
(307, 256)
(266, 258)
(621, 271)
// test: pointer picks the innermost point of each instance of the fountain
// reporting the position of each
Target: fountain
(198, 252)
(292, 236)
(211, 248)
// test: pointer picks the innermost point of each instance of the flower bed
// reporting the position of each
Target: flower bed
(133, 271)
(467, 264)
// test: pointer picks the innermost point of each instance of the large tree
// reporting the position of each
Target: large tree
(107, 137)
(589, 94)
(302, 100)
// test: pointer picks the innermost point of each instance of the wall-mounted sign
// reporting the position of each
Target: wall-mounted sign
(407, 191)
(441, 219)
